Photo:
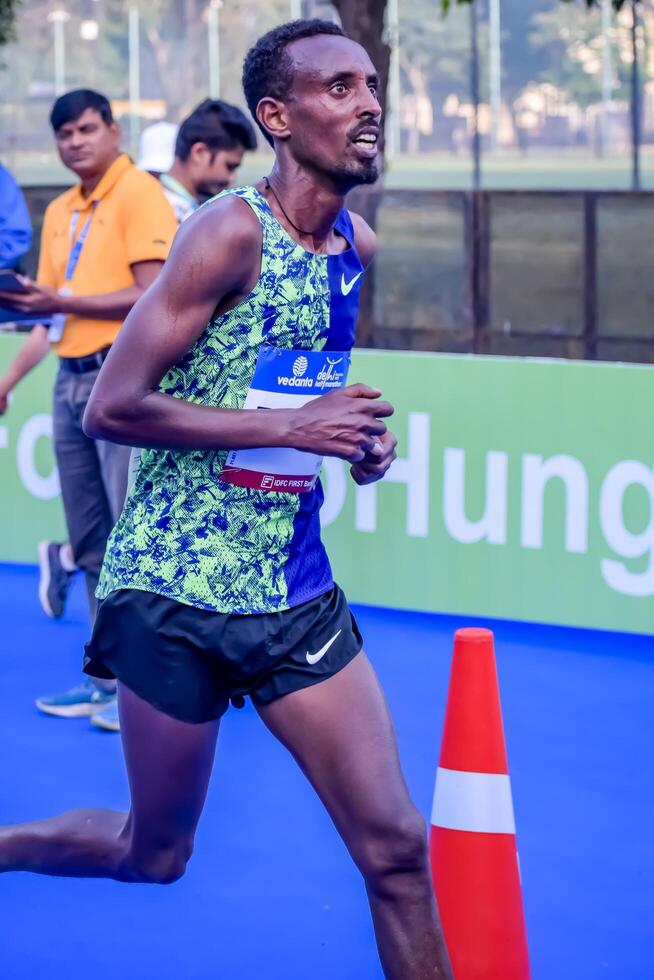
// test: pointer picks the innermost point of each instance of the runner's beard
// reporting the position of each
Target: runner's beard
(357, 172)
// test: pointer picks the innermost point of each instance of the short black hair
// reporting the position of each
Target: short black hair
(218, 125)
(268, 70)
(70, 106)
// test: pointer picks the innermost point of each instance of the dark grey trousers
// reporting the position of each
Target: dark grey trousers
(93, 477)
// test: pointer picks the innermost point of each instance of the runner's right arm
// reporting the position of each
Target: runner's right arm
(213, 265)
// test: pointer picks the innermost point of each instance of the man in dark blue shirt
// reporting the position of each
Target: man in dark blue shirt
(15, 224)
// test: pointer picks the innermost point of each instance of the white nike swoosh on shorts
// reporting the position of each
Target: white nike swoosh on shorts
(313, 658)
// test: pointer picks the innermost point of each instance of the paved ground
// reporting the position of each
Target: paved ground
(270, 892)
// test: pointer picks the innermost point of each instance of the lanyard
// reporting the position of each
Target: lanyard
(177, 188)
(77, 245)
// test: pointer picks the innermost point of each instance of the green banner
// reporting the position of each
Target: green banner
(523, 489)
(31, 504)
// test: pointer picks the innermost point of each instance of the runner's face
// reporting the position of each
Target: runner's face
(87, 145)
(333, 113)
(214, 170)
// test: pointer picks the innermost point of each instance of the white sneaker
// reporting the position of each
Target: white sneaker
(107, 719)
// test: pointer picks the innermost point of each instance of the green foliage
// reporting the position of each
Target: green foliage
(446, 4)
(438, 47)
(617, 4)
(568, 40)
(173, 51)
(7, 13)
(542, 41)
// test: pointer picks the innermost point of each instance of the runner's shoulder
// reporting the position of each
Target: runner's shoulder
(365, 239)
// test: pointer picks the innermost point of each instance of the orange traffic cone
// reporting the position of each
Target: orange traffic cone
(473, 849)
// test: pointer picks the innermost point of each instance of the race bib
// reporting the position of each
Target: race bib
(285, 379)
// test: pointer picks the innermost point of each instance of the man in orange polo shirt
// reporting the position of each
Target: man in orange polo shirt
(103, 243)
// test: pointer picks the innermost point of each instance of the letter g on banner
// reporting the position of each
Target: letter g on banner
(624, 542)
(43, 487)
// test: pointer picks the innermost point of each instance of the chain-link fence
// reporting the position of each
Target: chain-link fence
(555, 274)
(552, 274)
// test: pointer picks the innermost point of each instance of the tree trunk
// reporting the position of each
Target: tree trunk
(164, 56)
(7, 14)
(179, 45)
(363, 21)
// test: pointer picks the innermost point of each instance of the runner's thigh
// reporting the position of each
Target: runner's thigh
(341, 734)
(169, 763)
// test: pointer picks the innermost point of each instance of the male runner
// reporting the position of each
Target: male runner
(216, 585)
(209, 148)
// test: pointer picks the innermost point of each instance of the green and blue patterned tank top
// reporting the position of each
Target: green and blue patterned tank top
(191, 528)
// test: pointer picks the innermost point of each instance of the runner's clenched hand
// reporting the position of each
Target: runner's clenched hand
(346, 423)
(374, 466)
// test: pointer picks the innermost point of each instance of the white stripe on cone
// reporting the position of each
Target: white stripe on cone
(475, 801)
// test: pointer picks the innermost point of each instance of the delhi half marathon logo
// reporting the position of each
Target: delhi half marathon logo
(300, 366)
(329, 376)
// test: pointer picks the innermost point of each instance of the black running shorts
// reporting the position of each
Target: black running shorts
(189, 662)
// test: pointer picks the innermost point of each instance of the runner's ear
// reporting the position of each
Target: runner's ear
(272, 116)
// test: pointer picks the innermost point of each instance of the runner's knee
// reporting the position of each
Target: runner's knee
(158, 864)
(394, 847)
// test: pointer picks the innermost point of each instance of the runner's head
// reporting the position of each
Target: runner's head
(211, 143)
(313, 93)
(87, 138)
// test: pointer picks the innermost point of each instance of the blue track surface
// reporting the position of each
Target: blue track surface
(270, 892)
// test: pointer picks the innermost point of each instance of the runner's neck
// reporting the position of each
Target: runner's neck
(306, 203)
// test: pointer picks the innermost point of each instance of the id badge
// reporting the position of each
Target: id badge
(58, 320)
(285, 379)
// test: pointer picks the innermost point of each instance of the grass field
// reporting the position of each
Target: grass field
(577, 170)
(561, 170)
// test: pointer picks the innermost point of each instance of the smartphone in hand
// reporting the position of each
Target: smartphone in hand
(10, 283)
